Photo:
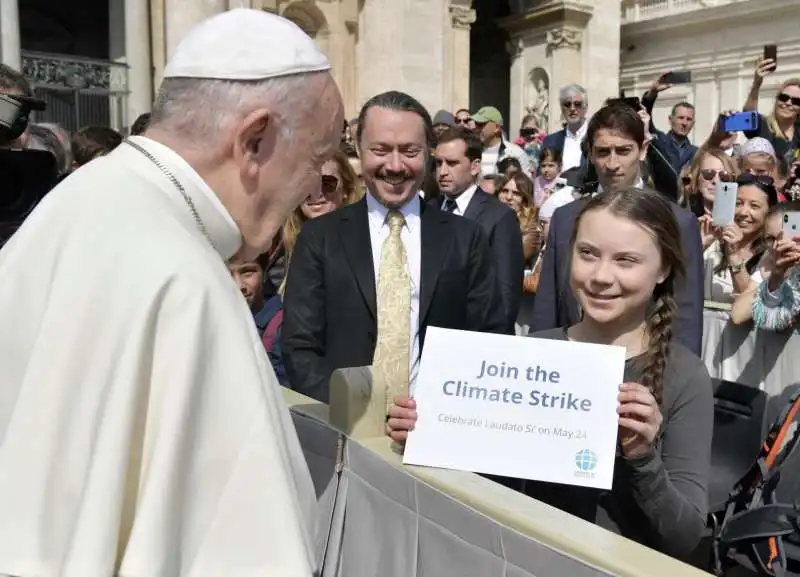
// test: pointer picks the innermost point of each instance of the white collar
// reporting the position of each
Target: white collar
(463, 199)
(638, 184)
(218, 222)
(580, 133)
(378, 213)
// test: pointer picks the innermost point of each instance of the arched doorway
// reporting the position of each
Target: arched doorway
(490, 62)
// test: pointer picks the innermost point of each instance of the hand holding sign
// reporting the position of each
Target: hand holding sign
(515, 407)
(639, 420)
(402, 416)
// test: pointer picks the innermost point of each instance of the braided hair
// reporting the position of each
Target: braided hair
(654, 212)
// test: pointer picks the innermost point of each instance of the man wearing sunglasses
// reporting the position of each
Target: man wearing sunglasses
(568, 140)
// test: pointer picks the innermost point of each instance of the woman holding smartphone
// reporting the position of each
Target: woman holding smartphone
(625, 286)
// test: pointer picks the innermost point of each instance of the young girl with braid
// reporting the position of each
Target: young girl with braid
(625, 284)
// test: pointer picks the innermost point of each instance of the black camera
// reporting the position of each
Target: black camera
(15, 112)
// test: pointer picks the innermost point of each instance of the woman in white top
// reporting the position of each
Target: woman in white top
(734, 254)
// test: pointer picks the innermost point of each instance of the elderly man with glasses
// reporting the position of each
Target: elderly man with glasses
(574, 105)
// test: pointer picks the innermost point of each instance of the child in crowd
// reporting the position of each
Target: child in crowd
(549, 169)
(267, 313)
(625, 285)
(773, 301)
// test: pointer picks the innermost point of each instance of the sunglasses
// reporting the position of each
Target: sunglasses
(710, 173)
(783, 97)
(481, 124)
(463, 120)
(329, 184)
(528, 132)
(576, 104)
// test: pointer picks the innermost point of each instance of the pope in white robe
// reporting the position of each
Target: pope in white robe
(142, 429)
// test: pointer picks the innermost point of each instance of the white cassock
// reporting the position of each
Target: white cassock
(142, 429)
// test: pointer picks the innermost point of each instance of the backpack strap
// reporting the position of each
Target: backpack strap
(271, 332)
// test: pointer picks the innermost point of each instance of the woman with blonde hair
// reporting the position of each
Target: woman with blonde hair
(709, 167)
(339, 186)
(782, 126)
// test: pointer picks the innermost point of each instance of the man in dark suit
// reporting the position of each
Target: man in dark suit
(338, 297)
(458, 164)
(616, 143)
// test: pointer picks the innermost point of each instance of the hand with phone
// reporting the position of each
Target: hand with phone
(785, 255)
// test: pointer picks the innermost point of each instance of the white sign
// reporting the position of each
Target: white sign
(517, 407)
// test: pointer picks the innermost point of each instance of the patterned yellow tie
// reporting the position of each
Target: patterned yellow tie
(390, 364)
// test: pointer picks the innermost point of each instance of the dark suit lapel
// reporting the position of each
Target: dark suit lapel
(477, 204)
(435, 244)
(354, 234)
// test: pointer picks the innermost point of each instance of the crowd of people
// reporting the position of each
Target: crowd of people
(409, 220)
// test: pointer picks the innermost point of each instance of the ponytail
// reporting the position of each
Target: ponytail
(659, 331)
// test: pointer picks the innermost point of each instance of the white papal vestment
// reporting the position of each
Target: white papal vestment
(142, 429)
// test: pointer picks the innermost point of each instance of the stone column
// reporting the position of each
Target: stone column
(600, 47)
(180, 16)
(406, 54)
(517, 83)
(564, 46)
(9, 34)
(137, 56)
(457, 93)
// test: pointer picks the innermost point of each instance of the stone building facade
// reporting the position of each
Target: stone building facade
(103, 58)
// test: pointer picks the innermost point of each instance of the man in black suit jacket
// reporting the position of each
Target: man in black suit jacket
(616, 137)
(458, 164)
(331, 316)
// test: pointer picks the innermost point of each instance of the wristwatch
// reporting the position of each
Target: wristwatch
(736, 267)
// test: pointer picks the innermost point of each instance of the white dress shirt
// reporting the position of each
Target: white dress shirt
(412, 241)
(462, 200)
(573, 154)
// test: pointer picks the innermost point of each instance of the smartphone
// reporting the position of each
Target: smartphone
(791, 224)
(724, 204)
(678, 77)
(771, 52)
(739, 122)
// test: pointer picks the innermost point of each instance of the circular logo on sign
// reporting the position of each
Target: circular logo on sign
(585, 460)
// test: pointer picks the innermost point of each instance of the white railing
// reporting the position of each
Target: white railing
(641, 10)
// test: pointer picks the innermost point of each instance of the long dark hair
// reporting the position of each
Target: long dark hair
(652, 211)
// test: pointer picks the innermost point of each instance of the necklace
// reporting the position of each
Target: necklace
(176, 183)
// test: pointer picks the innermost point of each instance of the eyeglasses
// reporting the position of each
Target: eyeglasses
(528, 132)
(783, 97)
(576, 104)
(329, 184)
(463, 120)
(710, 173)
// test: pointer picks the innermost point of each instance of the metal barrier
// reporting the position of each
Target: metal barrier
(78, 91)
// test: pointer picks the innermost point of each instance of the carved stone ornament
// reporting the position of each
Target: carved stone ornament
(515, 47)
(462, 16)
(564, 38)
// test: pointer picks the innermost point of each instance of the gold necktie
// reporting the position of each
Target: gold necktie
(390, 364)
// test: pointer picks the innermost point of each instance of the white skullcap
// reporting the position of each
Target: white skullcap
(245, 44)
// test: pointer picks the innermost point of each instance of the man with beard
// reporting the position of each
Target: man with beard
(366, 280)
